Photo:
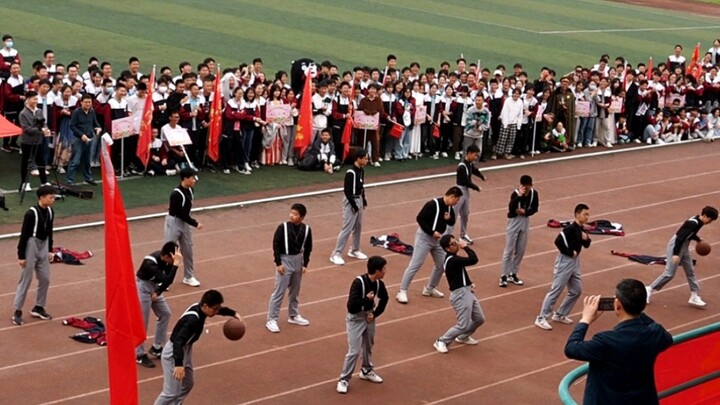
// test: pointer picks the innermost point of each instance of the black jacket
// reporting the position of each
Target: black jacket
(189, 328)
(570, 240)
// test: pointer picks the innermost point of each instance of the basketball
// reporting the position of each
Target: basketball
(702, 248)
(234, 329)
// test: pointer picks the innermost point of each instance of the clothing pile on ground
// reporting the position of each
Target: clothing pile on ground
(93, 327)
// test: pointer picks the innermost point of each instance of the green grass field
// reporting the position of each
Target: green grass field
(557, 33)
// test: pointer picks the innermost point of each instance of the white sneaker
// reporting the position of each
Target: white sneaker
(444, 154)
(609, 145)
(467, 340)
(649, 141)
(357, 254)
(562, 319)
(27, 187)
(61, 170)
(432, 292)
(370, 376)
(171, 172)
(648, 289)
(247, 167)
(457, 155)
(401, 297)
(34, 172)
(336, 259)
(298, 320)
(272, 326)
(226, 171)
(696, 301)
(440, 346)
(637, 140)
(376, 164)
(542, 323)
(290, 162)
(342, 387)
(467, 239)
(192, 282)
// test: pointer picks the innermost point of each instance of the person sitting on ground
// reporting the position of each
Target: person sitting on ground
(159, 162)
(557, 138)
(322, 154)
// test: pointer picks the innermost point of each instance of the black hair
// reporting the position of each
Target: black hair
(30, 94)
(472, 148)
(45, 190)
(300, 208)
(186, 172)
(183, 64)
(389, 57)
(445, 241)
(211, 298)
(360, 153)
(454, 191)
(580, 208)
(87, 96)
(526, 180)
(168, 248)
(632, 295)
(375, 264)
(710, 212)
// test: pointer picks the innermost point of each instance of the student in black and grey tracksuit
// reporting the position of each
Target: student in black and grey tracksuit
(467, 307)
(292, 245)
(178, 222)
(463, 179)
(570, 242)
(435, 219)
(524, 203)
(354, 204)
(153, 278)
(34, 254)
(360, 321)
(678, 253)
(177, 354)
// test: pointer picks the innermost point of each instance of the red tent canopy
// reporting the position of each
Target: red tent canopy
(7, 128)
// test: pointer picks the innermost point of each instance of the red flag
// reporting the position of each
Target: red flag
(215, 129)
(303, 134)
(436, 131)
(649, 68)
(694, 61)
(146, 137)
(124, 325)
(347, 130)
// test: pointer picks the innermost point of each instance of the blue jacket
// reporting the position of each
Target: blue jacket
(622, 361)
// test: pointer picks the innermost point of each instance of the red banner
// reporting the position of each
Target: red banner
(303, 135)
(124, 325)
(146, 137)
(215, 129)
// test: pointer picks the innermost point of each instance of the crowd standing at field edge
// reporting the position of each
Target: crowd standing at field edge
(436, 113)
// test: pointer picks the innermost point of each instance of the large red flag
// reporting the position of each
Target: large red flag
(303, 134)
(124, 325)
(215, 129)
(146, 137)
(347, 130)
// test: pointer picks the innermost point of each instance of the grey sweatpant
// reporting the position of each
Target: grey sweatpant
(516, 238)
(565, 273)
(290, 281)
(361, 336)
(469, 314)
(424, 244)
(671, 269)
(161, 310)
(36, 256)
(462, 209)
(175, 392)
(352, 224)
(178, 231)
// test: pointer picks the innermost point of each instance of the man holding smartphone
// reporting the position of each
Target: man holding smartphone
(621, 360)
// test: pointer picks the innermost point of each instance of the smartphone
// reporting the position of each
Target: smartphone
(606, 304)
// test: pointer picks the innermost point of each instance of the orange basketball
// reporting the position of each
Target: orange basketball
(703, 248)
(234, 329)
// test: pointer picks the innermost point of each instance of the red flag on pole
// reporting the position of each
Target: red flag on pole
(649, 68)
(347, 130)
(215, 129)
(146, 137)
(124, 325)
(7, 128)
(303, 134)
(694, 60)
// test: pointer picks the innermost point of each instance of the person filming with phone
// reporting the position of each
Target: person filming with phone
(622, 360)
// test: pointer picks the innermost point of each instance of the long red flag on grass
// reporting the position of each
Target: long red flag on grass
(146, 137)
(124, 326)
(303, 135)
(215, 128)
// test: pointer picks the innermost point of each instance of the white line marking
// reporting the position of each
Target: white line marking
(710, 27)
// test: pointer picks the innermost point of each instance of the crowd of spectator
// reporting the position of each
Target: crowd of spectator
(432, 112)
